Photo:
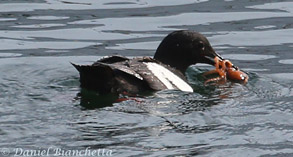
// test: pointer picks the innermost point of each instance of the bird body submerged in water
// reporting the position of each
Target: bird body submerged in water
(177, 51)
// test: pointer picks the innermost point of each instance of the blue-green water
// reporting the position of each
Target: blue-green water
(40, 103)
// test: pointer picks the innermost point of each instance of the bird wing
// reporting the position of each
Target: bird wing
(159, 76)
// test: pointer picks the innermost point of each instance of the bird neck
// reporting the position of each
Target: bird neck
(172, 62)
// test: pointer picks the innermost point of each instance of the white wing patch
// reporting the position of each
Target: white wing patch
(168, 78)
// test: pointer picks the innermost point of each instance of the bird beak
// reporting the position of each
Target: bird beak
(209, 58)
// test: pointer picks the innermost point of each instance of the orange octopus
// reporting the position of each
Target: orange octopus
(226, 70)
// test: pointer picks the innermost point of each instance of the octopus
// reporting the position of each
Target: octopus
(226, 71)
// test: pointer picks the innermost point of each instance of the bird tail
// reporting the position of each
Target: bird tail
(98, 77)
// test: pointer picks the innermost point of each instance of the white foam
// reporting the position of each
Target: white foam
(286, 61)
(168, 78)
(47, 18)
(40, 25)
(249, 57)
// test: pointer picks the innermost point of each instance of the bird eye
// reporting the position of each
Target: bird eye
(201, 45)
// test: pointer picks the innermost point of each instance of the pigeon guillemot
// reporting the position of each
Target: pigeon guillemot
(177, 51)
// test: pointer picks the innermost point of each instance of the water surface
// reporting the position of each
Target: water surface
(41, 105)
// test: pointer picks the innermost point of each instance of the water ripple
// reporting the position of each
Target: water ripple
(42, 105)
(88, 5)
